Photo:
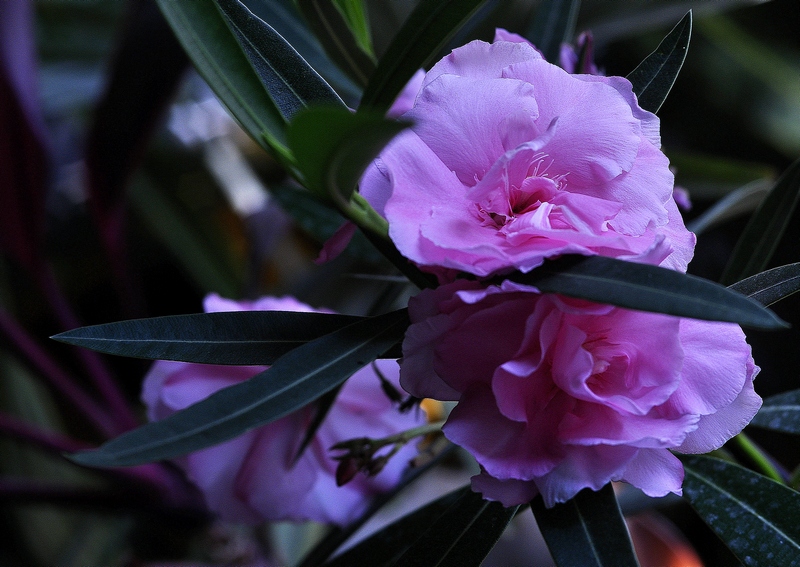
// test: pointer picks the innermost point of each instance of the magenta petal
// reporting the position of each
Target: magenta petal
(649, 121)
(584, 467)
(656, 472)
(415, 170)
(644, 191)
(214, 472)
(594, 143)
(375, 185)
(715, 429)
(503, 447)
(510, 492)
(465, 121)
(336, 244)
(270, 457)
(405, 100)
(715, 367)
(481, 60)
(680, 240)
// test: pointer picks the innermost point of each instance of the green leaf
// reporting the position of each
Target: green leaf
(757, 518)
(333, 146)
(553, 24)
(295, 380)
(290, 81)
(355, 13)
(771, 286)
(425, 32)
(386, 546)
(285, 18)
(333, 29)
(202, 31)
(647, 288)
(763, 233)
(587, 530)
(653, 78)
(236, 337)
(463, 535)
(780, 413)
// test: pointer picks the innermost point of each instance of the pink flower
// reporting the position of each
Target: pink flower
(251, 478)
(511, 160)
(556, 394)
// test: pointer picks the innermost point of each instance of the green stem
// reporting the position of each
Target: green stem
(759, 458)
(409, 434)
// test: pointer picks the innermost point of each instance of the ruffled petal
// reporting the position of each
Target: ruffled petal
(656, 472)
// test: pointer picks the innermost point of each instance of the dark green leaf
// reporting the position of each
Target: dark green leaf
(333, 30)
(771, 286)
(386, 546)
(333, 146)
(587, 530)
(553, 24)
(295, 380)
(780, 413)
(425, 32)
(285, 18)
(237, 337)
(757, 518)
(653, 78)
(647, 288)
(217, 56)
(355, 13)
(463, 535)
(764, 231)
(290, 81)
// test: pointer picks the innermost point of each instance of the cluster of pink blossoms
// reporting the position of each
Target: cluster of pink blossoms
(253, 477)
(512, 160)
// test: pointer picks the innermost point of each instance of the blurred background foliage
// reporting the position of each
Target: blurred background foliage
(140, 195)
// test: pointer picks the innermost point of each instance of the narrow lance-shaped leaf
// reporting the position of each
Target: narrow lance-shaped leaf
(553, 24)
(763, 233)
(290, 81)
(757, 518)
(587, 530)
(653, 78)
(647, 288)
(771, 286)
(285, 18)
(337, 37)
(385, 547)
(463, 535)
(236, 337)
(295, 380)
(425, 32)
(202, 31)
(355, 13)
(780, 413)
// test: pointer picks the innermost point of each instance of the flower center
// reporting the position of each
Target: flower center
(522, 190)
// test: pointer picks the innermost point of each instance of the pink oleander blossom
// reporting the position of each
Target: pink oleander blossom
(556, 394)
(251, 478)
(511, 160)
